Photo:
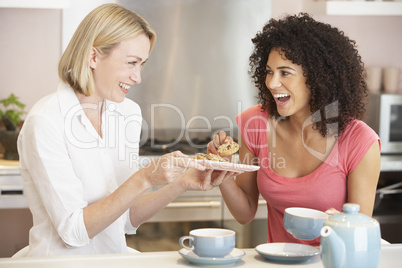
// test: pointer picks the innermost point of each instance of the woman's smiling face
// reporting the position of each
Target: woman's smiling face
(287, 84)
(117, 71)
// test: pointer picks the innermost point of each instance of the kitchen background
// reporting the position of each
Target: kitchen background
(33, 40)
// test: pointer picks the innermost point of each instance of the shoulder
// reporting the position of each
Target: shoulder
(255, 110)
(45, 106)
(44, 113)
(44, 121)
(252, 114)
(354, 143)
(252, 119)
(357, 130)
(253, 127)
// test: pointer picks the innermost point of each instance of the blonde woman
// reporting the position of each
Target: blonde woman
(79, 146)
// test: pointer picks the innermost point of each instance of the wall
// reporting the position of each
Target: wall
(72, 16)
(378, 38)
(31, 45)
(30, 48)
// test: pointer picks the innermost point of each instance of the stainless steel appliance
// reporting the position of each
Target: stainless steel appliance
(384, 115)
(196, 80)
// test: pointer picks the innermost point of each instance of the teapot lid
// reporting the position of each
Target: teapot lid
(351, 215)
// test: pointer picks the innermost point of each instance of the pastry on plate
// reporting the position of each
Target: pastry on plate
(210, 156)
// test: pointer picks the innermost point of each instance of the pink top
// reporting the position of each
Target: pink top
(322, 189)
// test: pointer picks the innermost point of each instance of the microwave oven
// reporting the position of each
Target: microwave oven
(384, 115)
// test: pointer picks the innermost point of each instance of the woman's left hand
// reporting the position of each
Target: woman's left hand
(168, 167)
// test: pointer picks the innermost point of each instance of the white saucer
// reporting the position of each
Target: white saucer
(287, 252)
(232, 257)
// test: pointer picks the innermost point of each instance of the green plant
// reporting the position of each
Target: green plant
(11, 111)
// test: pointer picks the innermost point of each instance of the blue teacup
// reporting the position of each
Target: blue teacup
(304, 223)
(210, 242)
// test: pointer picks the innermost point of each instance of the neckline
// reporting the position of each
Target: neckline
(331, 160)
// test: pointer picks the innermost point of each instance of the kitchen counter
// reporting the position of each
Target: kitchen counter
(391, 257)
(11, 195)
(9, 167)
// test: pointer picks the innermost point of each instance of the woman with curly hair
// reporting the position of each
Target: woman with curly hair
(306, 134)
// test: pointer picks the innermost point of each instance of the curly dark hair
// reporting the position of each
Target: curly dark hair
(331, 64)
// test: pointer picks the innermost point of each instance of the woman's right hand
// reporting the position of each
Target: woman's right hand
(196, 180)
(217, 141)
(169, 167)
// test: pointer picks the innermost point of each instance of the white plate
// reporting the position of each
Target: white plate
(232, 257)
(209, 164)
(287, 252)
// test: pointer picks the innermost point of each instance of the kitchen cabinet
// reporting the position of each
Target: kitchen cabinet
(51, 4)
(15, 217)
(11, 189)
(14, 230)
(354, 8)
(388, 203)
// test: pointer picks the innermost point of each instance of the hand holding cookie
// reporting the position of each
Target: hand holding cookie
(222, 145)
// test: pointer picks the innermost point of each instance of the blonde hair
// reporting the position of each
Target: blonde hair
(103, 28)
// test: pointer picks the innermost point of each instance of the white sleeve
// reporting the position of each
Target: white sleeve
(44, 154)
(129, 228)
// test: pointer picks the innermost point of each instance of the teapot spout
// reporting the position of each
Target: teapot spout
(333, 250)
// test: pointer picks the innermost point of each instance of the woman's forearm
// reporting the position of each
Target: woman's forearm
(242, 207)
(104, 212)
(151, 203)
(194, 180)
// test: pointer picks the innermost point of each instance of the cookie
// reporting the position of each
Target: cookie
(201, 156)
(210, 156)
(227, 149)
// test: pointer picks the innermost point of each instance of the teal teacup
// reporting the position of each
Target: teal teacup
(304, 223)
(210, 242)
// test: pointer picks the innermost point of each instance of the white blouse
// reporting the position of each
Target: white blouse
(66, 166)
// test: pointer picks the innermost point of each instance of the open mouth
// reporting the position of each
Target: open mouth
(282, 98)
(124, 86)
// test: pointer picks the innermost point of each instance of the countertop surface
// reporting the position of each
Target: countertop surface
(9, 167)
(391, 257)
